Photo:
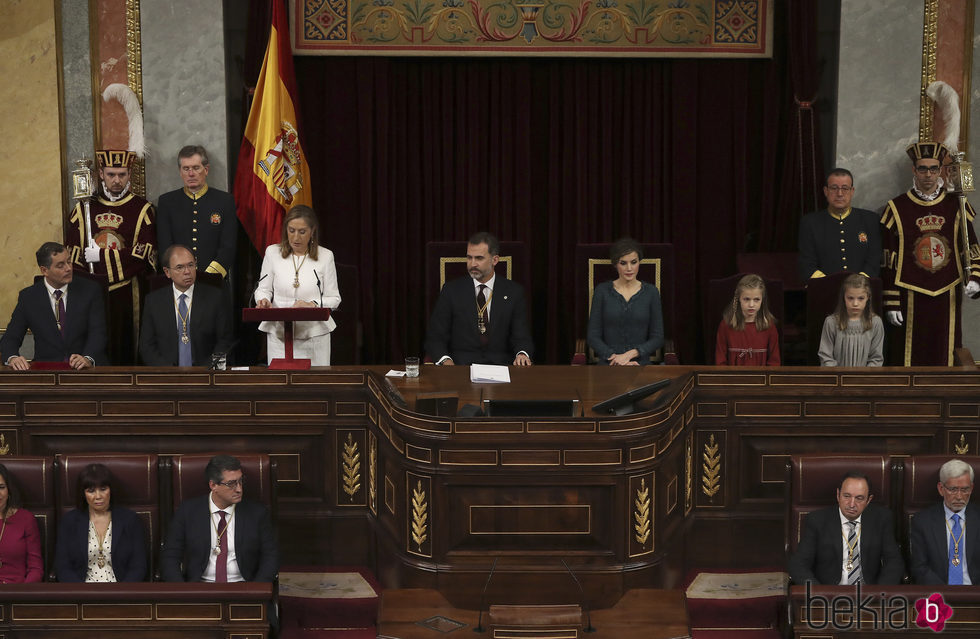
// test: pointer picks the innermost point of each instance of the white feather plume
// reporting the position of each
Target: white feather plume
(948, 103)
(127, 98)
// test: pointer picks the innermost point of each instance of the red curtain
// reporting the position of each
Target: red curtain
(552, 152)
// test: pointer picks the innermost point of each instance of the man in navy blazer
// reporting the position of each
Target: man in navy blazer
(480, 319)
(206, 322)
(66, 316)
(936, 540)
(821, 558)
(218, 537)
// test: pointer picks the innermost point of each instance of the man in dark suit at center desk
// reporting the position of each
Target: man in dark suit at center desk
(945, 544)
(850, 543)
(480, 319)
(66, 316)
(184, 324)
(218, 537)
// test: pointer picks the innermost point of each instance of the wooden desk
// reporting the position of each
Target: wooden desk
(422, 613)
(189, 611)
(888, 611)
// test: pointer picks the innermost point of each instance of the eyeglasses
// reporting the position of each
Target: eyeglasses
(232, 483)
(958, 490)
(183, 268)
(840, 189)
(922, 170)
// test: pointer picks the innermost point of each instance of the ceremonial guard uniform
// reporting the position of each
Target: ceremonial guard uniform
(831, 243)
(923, 271)
(124, 231)
(205, 222)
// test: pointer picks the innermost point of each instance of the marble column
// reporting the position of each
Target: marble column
(184, 89)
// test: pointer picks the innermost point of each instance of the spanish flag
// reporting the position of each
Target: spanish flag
(272, 175)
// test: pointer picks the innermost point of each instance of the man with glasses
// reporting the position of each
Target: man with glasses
(839, 238)
(945, 544)
(186, 324)
(924, 272)
(218, 537)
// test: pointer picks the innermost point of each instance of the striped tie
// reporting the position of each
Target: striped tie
(854, 575)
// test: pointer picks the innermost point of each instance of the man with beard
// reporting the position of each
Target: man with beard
(122, 250)
(945, 546)
(480, 319)
(924, 274)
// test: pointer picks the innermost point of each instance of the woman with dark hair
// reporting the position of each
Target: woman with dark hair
(626, 323)
(298, 272)
(20, 542)
(97, 541)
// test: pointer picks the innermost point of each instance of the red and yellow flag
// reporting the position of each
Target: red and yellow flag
(272, 174)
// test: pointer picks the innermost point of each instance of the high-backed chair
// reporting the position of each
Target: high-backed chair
(812, 482)
(35, 480)
(720, 294)
(188, 479)
(821, 300)
(592, 268)
(135, 484)
(920, 478)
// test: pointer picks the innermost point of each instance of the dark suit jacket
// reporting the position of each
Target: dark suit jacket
(452, 327)
(128, 546)
(210, 327)
(820, 555)
(929, 549)
(85, 317)
(185, 555)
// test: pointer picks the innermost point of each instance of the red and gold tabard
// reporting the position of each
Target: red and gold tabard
(125, 231)
(923, 276)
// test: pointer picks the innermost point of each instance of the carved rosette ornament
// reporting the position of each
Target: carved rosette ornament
(351, 464)
(711, 469)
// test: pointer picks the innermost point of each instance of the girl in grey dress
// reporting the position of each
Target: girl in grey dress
(853, 334)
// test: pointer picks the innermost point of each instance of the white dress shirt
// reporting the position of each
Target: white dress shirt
(234, 574)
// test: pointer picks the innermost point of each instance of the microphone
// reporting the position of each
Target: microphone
(483, 597)
(585, 604)
(251, 299)
(318, 287)
(580, 404)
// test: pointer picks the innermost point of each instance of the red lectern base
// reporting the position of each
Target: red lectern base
(280, 364)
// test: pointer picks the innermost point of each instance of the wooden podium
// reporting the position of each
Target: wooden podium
(287, 316)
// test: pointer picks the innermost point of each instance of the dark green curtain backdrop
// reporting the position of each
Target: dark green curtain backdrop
(702, 153)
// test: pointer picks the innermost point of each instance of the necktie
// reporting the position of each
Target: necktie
(481, 304)
(956, 538)
(183, 334)
(60, 315)
(853, 542)
(221, 561)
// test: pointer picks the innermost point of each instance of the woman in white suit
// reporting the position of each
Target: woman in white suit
(299, 272)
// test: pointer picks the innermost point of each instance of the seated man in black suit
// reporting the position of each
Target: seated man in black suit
(66, 316)
(945, 543)
(480, 319)
(184, 324)
(235, 541)
(849, 543)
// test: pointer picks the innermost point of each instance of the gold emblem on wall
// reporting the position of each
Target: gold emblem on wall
(373, 473)
(420, 516)
(4, 446)
(351, 460)
(711, 469)
(641, 514)
(961, 447)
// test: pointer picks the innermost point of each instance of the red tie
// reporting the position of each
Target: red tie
(221, 563)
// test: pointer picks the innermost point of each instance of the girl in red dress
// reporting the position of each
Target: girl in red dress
(747, 334)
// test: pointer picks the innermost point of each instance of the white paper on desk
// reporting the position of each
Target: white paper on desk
(489, 374)
(394, 373)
